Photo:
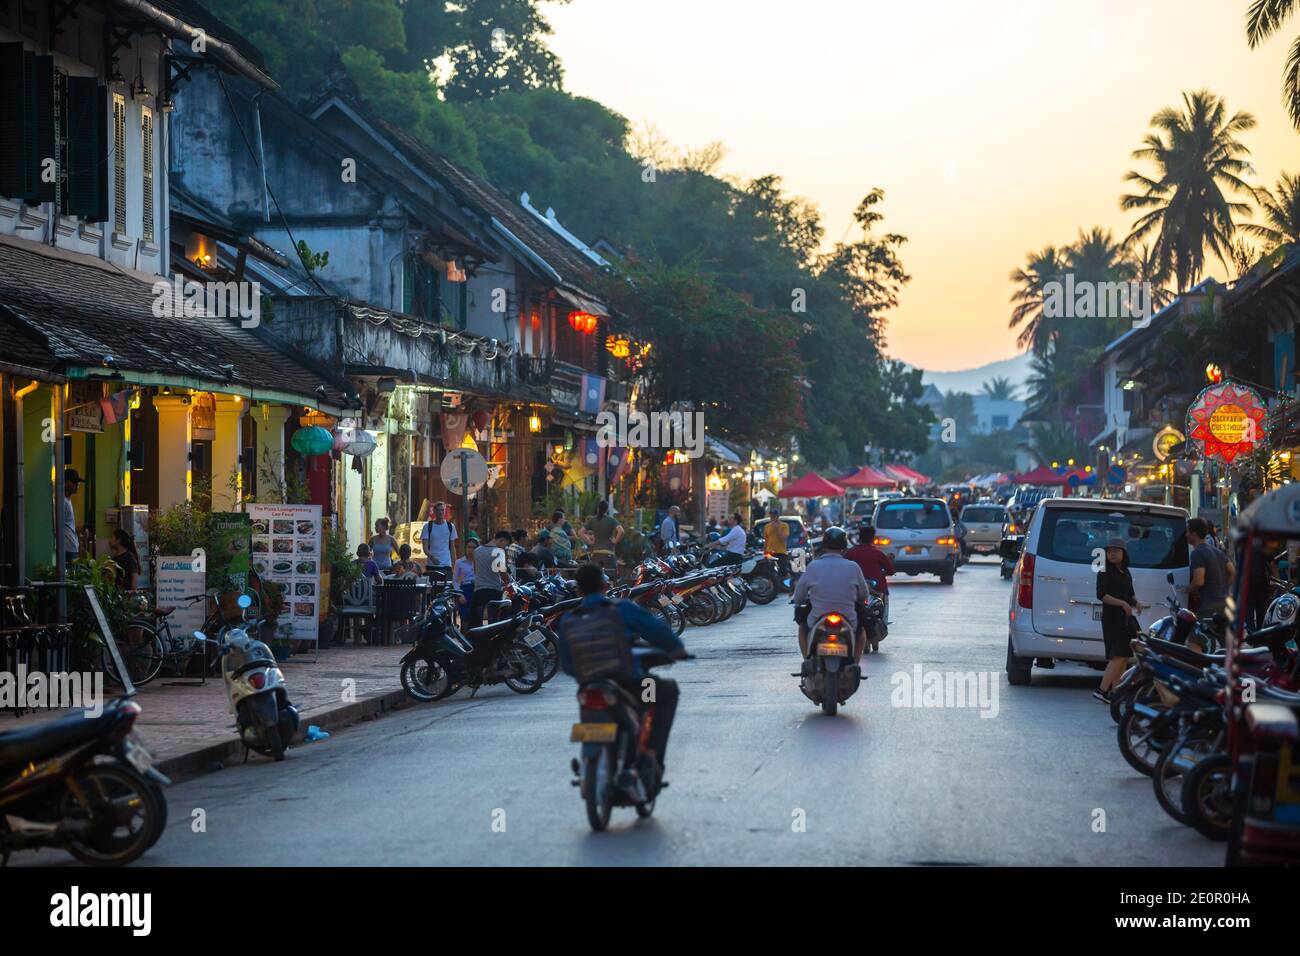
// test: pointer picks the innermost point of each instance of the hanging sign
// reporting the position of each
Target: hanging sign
(1165, 441)
(1225, 421)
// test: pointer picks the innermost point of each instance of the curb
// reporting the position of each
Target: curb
(218, 756)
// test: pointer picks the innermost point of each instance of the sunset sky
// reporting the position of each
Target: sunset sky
(994, 127)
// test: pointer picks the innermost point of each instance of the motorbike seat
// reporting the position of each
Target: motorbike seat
(1276, 694)
(49, 737)
(1272, 722)
(1184, 654)
(490, 630)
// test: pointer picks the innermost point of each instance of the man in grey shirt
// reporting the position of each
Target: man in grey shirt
(68, 539)
(833, 583)
(491, 575)
(668, 529)
(1211, 571)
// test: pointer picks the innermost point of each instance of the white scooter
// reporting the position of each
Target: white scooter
(267, 722)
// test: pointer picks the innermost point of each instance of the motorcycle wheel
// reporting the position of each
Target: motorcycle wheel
(526, 668)
(1207, 797)
(762, 589)
(700, 610)
(645, 809)
(123, 815)
(1143, 756)
(676, 619)
(274, 744)
(1168, 783)
(599, 787)
(549, 654)
(831, 693)
(425, 681)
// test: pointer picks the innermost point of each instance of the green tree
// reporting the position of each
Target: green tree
(1199, 162)
(1040, 268)
(1000, 388)
(1281, 211)
(1263, 19)
(501, 48)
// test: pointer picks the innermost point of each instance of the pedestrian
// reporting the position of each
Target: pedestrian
(602, 533)
(368, 566)
(462, 575)
(669, 536)
(490, 575)
(561, 537)
(438, 537)
(776, 535)
(518, 546)
(543, 554)
(69, 540)
(1119, 615)
(383, 545)
(121, 548)
(404, 567)
(1211, 576)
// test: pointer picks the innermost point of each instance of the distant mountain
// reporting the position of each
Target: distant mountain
(972, 380)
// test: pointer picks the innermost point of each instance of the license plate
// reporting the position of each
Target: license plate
(533, 638)
(678, 599)
(593, 734)
(1096, 612)
(665, 600)
(914, 549)
(138, 756)
(832, 650)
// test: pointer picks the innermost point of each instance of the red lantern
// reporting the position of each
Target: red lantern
(583, 322)
(481, 418)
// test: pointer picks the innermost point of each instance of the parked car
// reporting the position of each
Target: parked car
(1054, 612)
(919, 535)
(984, 524)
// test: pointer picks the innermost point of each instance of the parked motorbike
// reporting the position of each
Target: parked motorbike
(267, 721)
(828, 677)
(82, 784)
(613, 728)
(762, 577)
(444, 659)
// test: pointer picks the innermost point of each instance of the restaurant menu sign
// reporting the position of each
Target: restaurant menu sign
(180, 578)
(1225, 421)
(287, 550)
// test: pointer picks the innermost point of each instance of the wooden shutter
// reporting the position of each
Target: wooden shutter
(11, 120)
(88, 158)
(146, 155)
(46, 145)
(119, 163)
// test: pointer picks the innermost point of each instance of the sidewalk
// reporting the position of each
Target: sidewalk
(189, 729)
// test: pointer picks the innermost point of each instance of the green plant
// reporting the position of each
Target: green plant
(343, 569)
(119, 606)
(280, 482)
(180, 529)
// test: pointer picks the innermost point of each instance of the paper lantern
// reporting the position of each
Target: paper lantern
(312, 440)
(583, 322)
(481, 419)
(342, 436)
(361, 445)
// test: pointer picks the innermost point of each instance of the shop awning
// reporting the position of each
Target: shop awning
(1042, 475)
(867, 477)
(906, 475)
(581, 302)
(91, 319)
(811, 485)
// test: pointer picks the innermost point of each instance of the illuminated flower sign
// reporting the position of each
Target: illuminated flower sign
(1226, 420)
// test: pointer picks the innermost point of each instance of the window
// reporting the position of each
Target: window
(146, 162)
(984, 515)
(913, 515)
(1073, 534)
(1001, 422)
(420, 289)
(119, 163)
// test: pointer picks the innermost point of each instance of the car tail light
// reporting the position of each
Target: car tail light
(880, 541)
(595, 698)
(949, 541)
(1026, 595)
(257, 679)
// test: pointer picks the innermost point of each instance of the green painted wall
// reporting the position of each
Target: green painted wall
(38, 460)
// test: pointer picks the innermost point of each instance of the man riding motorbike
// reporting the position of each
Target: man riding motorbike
(832, 583)
(875, 564)
(589, 635)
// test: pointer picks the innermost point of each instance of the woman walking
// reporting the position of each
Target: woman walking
(1120, 608)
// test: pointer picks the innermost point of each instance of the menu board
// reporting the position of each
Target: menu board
(287, 550)
(179, 579)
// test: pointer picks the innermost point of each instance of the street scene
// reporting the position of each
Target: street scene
(560, 433)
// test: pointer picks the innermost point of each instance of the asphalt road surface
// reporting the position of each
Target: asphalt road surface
(758, 775)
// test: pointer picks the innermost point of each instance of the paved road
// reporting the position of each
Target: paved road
(751, 759)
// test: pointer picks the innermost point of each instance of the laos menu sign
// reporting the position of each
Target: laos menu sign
(1226, 421)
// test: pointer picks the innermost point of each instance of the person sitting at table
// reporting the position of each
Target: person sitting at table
(368, 566)
(543, 553)
(404, 567)
(463, 574)
(121, 548)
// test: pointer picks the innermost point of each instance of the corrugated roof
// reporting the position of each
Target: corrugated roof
(86, 310)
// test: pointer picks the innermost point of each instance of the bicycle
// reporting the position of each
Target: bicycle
(147, 644)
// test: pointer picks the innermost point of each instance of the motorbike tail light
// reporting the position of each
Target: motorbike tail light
(595, 698)
(257, 679)
(879, 541)
(129, 712)
(1025, 597)
(834, 619)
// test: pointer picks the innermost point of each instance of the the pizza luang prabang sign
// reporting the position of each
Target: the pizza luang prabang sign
(1225, 421)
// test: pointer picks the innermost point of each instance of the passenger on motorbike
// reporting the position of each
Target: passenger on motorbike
(875, 564)
(832, 583)
(589, 632)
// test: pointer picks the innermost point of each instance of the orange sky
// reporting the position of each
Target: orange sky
(995, 127)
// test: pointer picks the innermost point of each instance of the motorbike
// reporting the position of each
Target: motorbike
(82, 784)
(267, 722)
(614, 728)
(444, 659)
(876, 619)
(1013, 541)
(828, 677)
(762, 577)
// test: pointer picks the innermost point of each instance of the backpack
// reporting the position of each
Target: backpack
(598, 644)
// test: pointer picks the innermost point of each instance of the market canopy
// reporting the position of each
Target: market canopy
(867, 477)
(1042, 475)
(909, 475)
(811, 485)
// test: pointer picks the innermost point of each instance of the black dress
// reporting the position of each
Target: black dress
(1117, 626)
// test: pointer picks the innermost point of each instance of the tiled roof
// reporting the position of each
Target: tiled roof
(574, 268)
(86, 310)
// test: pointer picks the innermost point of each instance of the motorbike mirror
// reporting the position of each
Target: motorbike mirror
(200, 636)
(245, 601)
(1170, 577)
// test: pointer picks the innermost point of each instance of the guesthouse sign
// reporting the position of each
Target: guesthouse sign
(1226, 421)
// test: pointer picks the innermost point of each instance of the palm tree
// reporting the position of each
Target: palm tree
(1001, 388)
(1281, 210)
(1197, 157)
(1041, 267)
(1263, 19)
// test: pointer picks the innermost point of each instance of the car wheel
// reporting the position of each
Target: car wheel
(1019, 669)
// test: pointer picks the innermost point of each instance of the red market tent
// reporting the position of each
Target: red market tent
(905, 474)
(1042, 475)
(811, 485)
(868, 477)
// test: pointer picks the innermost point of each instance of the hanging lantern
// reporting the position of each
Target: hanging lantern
(618, 347)
(312, 440)
(481, 419)
(362, 443)
(342, 436)
(583, 322)
(534, 423)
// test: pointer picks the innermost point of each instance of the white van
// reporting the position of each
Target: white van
(1055, 613)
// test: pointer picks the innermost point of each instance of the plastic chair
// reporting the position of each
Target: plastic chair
(358, 610)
